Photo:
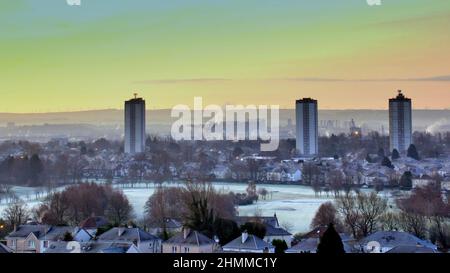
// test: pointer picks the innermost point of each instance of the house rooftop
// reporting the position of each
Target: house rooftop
(267, 220)
(190, 237)
(4, 249)
(251, 242)
(126, 235)
(412, 249)
(23, 231)
(94, 222)
(396, 238)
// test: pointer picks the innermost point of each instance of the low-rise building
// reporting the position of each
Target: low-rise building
(189, 241)
(248, 243)
(36, 238)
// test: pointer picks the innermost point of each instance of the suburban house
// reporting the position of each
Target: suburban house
(273, 229)
(284, 174)
(385, 241)
(189, 241)
(144, 241)
(247, 243)
(36, 238)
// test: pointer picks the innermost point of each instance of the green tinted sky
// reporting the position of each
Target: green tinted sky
(56, 57)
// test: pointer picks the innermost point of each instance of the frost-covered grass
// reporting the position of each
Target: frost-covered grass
(294, 205)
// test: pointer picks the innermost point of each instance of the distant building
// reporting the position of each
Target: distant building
(355, 131)
(135, 125)
(400, 123)
(307, 131)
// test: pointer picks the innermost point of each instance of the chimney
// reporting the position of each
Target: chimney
(244, 236)
(186, 232)
(15, 227)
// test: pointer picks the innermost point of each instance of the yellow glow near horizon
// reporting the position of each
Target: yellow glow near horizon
(346, 55)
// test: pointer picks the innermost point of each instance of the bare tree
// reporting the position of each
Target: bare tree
(390, 221)
(428, 202)
(361, 212)
(413, 223)
(310, 172)
(336, 181)
(263, 192)
(16, 213)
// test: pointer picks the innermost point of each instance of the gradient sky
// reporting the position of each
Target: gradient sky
(346, 54)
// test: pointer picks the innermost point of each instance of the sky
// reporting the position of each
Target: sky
(347, 54)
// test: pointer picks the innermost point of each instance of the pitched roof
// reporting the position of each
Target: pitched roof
(274, 231)
(24, 231)
(251, 243)
(315, 233)
(305, 246)
(117, 248)
(396, 238)
(126, 235)
(412, 249)
(42, 232)
(55, 233)
(310, 245)
(4, 249)
(268, 220)
(94, 222)
(193, 238)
